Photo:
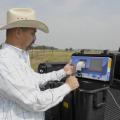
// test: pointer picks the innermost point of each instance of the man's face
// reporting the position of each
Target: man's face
(28, 37)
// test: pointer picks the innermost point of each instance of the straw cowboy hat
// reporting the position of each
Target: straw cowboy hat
(23, 17)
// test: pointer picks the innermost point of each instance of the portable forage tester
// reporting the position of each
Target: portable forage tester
(92, 71)
(96, 73)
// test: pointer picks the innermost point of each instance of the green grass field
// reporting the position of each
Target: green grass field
(44, 56)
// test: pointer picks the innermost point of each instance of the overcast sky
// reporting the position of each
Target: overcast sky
(80, 24)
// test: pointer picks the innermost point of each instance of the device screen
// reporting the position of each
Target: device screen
(96, 65)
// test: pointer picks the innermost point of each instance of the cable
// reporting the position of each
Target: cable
(113, 99)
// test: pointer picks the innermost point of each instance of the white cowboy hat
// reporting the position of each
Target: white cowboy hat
(23, 17)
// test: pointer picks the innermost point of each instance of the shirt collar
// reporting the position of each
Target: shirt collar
(16, 49)
(22, 54)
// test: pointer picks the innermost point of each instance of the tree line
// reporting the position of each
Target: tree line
(43, 47)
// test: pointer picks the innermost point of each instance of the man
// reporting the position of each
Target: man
(20, 96)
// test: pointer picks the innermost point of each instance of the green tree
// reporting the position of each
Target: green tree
(0, 46)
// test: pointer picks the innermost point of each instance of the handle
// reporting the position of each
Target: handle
(95, 100)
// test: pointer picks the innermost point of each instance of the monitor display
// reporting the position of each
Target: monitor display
(96, 65)
(93, 68)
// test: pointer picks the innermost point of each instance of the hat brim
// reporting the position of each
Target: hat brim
(27, 23)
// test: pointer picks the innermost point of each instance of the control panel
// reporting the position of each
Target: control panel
(97, 68)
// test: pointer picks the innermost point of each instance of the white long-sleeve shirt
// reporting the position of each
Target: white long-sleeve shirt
(20, 96)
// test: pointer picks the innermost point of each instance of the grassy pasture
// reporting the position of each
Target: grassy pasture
(43, 56)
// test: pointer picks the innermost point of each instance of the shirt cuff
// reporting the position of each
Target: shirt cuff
(63, 90)
(66, 88)
(62, 73)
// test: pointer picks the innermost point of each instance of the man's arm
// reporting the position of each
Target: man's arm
(51, 76)
(19, 86)
(55, 75)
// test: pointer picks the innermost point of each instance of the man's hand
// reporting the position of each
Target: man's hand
(69, 69)
(72, 82)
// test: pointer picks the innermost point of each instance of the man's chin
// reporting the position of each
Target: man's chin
(30, 46)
